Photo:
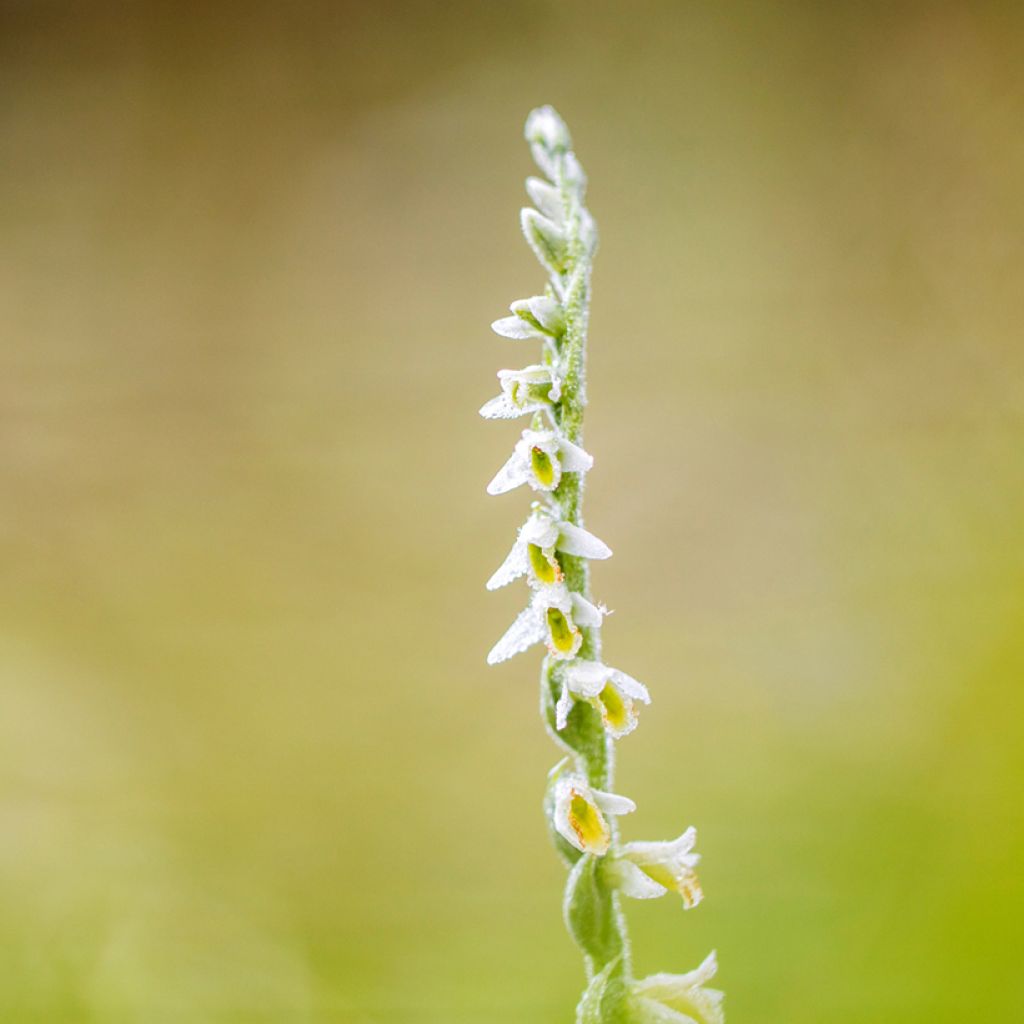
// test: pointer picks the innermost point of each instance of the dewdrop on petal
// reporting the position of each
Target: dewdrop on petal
(648, 870)
(679, 998)
(613, 693)
(535, 552)
(539, 459)
(580, 813)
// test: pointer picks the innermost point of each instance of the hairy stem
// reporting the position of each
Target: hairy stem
(592, 746)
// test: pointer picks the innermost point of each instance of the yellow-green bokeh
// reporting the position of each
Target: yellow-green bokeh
(252, 764)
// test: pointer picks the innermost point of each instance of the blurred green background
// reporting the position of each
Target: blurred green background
(252, 764)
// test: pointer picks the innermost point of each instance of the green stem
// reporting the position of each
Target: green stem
(591, 745)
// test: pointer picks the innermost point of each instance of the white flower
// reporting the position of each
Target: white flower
(540, 458)
(536, 317)
(680, 998)
(648, 870)
(612, 693)
(522, 391)
(535, 551)
(580, 813)
(554, 616)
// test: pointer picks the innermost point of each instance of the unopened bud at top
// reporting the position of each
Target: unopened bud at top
(545, 128)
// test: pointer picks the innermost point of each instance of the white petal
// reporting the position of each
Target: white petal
(548, 313)
(588, 231)
(515, 472)
(612, 803)
(584, 613)
(540, 530)
(554, 597)
(587, 678)
(515, 327)
(543, 439)
(546, 239)
(546, 198)
(501, 407)
(574, 458)
(685, 843)
(527, 630)
(562, 708)
(633, 882)
(629, 686)
(574, 540)
(574, 171)
(515, 565)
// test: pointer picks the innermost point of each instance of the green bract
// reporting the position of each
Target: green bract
(586, 705)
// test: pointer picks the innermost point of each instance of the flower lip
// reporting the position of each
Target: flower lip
(581, 813)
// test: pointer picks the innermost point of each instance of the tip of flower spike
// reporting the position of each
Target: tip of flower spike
(545, 127)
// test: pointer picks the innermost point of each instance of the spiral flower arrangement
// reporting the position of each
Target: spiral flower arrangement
(586, 704)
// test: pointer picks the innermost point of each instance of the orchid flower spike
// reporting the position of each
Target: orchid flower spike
(553, 553)
(581, 813)
(613, 693)
(535, 552)
(539, 459)
(555, 616)
(680, 998)
(648, 870)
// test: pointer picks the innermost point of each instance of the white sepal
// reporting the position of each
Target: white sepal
(516, 471)
(580, 813)
(574, 173)
(684, 994)
(547, 240)
(542, 312)
(546, 198)
(516, 563)
(585, 613)
(516, 328)
(588, 231)
(527, 630)
(574, 458)
(574, 540)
